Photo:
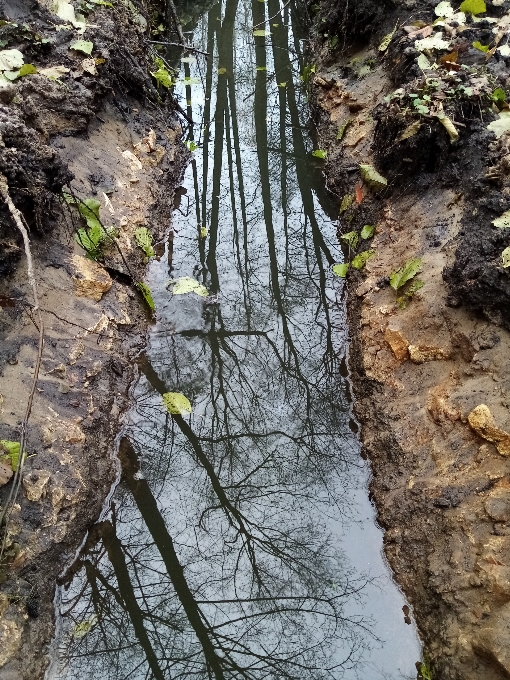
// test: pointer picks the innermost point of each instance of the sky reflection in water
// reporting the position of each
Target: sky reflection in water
(242, 543)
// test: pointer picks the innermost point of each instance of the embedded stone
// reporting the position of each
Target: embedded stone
(420, 354)
(398, 343)
(90, 279)
(497, 505)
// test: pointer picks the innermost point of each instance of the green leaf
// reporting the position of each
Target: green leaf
(147, 295)
(343, 129)
(84, 46)
(222, 71)
(416, 285)
(425, 670)
(163, 77)
(261, 68)
(505, 256)
(11, 452)
(261, 32)
(186, 285)
(405, 273)
(360, 260)
(478, 45)
(502, 222)
(203, 232)
(499, 95)
(144, 240)
(176, 403)
(319, 153)
(81, 629)
(90, 240)
(308, 70)
(340, 269)
(367, 231)
(346, 203)
(26, 69)
(374, 180)
(473, 6)
(420, 107)
(192, 146)
(351, 238)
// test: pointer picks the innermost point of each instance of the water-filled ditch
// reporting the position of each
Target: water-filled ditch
(241, 542)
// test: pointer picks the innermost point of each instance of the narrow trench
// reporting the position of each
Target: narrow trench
(241, 542)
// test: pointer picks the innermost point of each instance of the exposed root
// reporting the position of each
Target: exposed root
(18, 219)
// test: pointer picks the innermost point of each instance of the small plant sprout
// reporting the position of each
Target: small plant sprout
(425, 671)
(362, 258)
(144, 241)
(162, 75)
(191, 145)
(147, 295)
(93, 236)
(406, 275)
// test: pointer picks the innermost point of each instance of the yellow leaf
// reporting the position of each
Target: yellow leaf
(176, 403)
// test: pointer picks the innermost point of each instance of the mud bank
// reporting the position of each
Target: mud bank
(96, 129)
(429, 369)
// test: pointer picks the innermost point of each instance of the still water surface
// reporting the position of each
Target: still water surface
(241, 542)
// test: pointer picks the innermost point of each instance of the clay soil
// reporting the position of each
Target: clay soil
(431, 380)
(102, 131)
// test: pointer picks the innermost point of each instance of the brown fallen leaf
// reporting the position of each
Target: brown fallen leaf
(482, 422)
(421, 33)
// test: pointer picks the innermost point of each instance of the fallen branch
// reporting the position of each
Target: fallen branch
(18, 220)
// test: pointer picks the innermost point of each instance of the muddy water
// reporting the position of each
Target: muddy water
(241, 542)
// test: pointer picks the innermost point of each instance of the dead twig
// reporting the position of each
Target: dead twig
(174, 44)
(273, 17)
(18, 220)
(171, 11)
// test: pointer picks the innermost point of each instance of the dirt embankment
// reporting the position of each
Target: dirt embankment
(95, 128)
(430, 369)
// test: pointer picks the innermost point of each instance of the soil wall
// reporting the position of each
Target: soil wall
(429, 368)
(97, 128)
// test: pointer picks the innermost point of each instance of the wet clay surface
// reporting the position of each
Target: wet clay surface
(441, 475)
(110, 144)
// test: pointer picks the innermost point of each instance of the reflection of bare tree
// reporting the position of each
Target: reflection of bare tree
(209, 629)
(219, 562)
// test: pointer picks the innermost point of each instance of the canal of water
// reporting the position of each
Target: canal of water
(241, 542)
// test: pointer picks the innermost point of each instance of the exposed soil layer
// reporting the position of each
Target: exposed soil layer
(430, 374)
(99, 131)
